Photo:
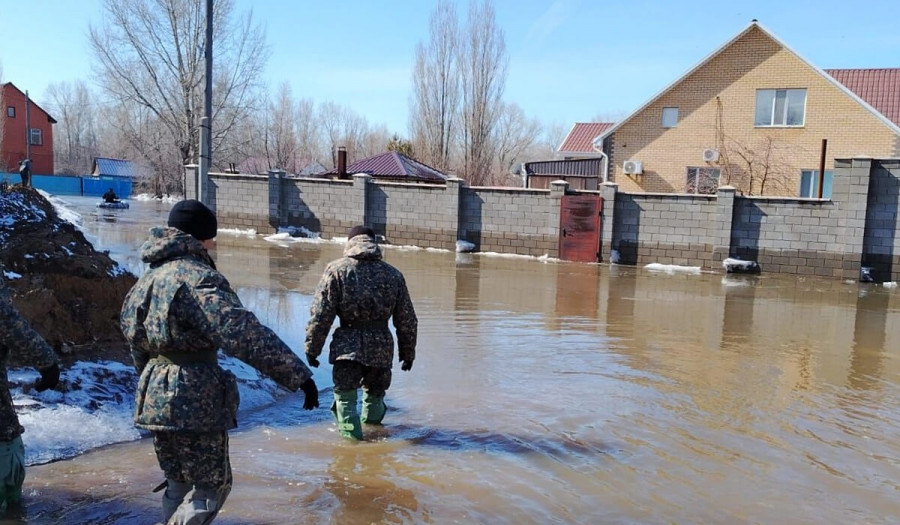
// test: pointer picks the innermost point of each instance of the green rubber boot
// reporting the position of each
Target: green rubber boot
(373, 409)
(344, 408)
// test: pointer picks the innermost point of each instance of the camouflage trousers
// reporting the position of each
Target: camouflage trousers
(12, 471)
(349, 375)
(198, 458)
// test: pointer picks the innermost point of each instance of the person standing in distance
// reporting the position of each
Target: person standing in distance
(364, 292)
(175, 318)
(16, 335)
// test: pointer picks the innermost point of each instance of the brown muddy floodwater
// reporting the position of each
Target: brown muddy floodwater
(551, 392)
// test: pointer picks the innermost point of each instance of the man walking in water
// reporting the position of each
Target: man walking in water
(364, 292)
(175, 318)
(16, 335)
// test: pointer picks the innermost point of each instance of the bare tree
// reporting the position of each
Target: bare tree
(150, 55)
(281, 140)
(763, 167)
(483, 68)
(515, 135)
(75, 143)
(434, 103)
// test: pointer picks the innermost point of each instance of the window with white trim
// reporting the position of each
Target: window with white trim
(37, 137)
(702, 180)
(11, 111)
(780, 107)
(809, 184)
(669, 117)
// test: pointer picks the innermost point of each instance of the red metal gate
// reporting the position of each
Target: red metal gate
(579, 228)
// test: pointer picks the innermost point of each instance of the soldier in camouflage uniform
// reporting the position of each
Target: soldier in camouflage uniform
(364, 291)
(17, 336)
(176, 317)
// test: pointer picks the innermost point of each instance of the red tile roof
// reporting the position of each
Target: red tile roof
(879, 88)
(393, 165)
(582, 135)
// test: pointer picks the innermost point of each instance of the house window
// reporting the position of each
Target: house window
(809, 184)
(780, 107)
(36, 138)
(11, 111)
(669, 117)
(702, 180)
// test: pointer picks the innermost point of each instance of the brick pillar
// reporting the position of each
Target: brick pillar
(276, 200)
(450, 218)
(361, 198)
(723, 224)
(558, 189)
(191, 174)
(608, 191)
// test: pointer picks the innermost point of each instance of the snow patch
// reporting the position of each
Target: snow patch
(11, 275)
(890, 284)
(237, 232)
(672, 268)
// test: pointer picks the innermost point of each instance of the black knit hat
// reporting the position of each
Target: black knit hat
(193, 217)
(360, 230)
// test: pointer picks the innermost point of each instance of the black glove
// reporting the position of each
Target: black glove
(406, 366)
(49, 378)
(310, 394)
(313, 362)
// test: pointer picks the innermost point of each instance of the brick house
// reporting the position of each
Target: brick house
(13, 147)
(753, 114)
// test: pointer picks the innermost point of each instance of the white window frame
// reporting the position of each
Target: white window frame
(812, 189)
(772, 102)
(695, 172)
(11, 111)
(672, 120)
(36, 137)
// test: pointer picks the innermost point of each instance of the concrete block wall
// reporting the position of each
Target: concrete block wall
(788, 235)
(320, 205)
(413, 214)
(240, 201)
(510, 220)
(665, 228)
(829, 238)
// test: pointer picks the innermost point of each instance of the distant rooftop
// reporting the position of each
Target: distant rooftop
(582, 135)
(879, 88)
(395, 166)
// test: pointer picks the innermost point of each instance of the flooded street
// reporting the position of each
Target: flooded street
(548, 392)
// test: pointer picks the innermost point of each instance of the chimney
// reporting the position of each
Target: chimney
(342, 162)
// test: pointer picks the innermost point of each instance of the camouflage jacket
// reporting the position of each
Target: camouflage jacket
(363, 289)
(17, 336)
(183, 306)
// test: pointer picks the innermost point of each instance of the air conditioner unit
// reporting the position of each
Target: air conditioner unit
(632, 167)
(710, 155)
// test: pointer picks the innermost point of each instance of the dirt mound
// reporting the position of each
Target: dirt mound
(71, 293)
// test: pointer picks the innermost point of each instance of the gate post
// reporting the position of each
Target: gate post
(276, 205)
(608, 191)
(558, 189)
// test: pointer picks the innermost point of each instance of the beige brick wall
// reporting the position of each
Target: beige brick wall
(727, 85)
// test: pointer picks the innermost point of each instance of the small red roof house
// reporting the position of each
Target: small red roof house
(13, 146)
(395, 167)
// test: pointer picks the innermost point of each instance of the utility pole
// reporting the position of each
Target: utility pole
(27, 127)
(206, 121)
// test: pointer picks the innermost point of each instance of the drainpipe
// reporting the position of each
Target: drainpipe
(605, 169)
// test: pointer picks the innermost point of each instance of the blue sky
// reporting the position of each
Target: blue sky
(570, 60)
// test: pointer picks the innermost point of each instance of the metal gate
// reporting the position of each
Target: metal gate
(579, 228)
